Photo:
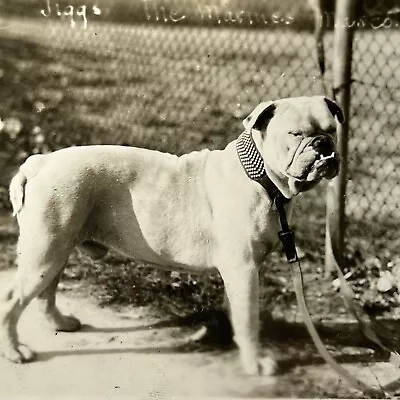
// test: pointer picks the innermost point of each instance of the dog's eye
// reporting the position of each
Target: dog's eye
(295, 133)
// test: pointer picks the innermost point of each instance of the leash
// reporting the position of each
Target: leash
(253, 165)
(287, 238)
(364, 320)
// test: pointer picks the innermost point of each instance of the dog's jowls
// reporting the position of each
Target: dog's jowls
(194, 212)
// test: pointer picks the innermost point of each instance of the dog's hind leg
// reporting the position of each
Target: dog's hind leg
(47, 304)
(47, 299)
(41, 259)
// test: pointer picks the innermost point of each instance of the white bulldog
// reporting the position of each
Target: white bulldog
(195, 212)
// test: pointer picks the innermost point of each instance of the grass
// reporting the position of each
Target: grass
(178, 90)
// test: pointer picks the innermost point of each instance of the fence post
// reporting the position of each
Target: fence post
(336, 192)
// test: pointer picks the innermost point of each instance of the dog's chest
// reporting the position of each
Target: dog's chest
(265, 229)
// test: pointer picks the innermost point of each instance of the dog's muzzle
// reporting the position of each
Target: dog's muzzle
(314, 160)
(326, 164)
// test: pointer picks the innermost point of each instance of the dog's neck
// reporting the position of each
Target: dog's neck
(257, 170)
(282, 183)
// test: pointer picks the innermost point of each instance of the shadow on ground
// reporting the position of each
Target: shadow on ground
(290, 342)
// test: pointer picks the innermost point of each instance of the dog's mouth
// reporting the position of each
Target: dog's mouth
(324, 167)
(316, 160)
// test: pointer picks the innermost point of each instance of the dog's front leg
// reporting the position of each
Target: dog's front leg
(242, 290)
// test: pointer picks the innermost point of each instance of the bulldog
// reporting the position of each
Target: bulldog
(199, 211)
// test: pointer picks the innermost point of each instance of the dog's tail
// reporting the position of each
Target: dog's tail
(17, 186)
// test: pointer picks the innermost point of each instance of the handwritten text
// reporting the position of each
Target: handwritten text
(364, 21)
(160, 12)
(70, 12)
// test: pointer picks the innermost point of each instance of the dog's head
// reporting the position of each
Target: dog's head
(297, 139)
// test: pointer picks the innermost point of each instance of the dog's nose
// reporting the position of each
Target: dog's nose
(323, 144)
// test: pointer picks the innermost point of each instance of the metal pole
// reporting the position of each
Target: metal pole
(336, 193)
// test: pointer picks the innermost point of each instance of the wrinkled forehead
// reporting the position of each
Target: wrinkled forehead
(306, 115)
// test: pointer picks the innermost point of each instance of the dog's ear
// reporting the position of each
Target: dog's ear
(335, 110)
(260, 116)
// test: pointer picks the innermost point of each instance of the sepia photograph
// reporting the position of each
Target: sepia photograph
(199, 199)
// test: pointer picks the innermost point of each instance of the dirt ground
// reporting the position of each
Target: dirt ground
(130, 352)
(126, 352)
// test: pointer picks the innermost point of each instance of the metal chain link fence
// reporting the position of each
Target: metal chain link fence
(181, 75)
(373, 194)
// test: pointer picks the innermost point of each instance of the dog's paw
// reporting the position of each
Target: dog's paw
(28, 355)
(21, 354)
(251, 366)
(61, 323)
(67, 323)
(267, 366)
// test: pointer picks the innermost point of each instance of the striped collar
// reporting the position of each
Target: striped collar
(253, 164)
